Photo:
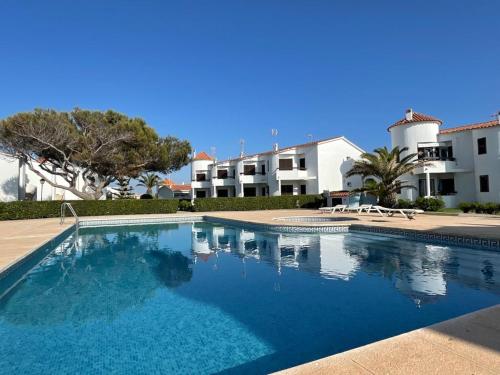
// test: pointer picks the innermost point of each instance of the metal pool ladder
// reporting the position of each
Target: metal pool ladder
(72, 210)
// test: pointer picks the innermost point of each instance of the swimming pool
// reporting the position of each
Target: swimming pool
(196, 298)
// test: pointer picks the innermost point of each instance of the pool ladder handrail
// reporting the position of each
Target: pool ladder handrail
(73, 212)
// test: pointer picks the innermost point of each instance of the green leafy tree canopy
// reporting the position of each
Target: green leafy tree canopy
(94, 146)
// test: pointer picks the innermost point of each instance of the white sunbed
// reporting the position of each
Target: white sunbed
(408, 213)
(331, 210)
(363, 207)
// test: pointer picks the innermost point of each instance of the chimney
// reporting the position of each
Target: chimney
(409, 114)
(275, 147)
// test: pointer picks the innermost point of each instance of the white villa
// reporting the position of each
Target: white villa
(309, 168)
(464, 161)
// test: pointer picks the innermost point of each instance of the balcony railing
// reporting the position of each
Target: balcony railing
(437, 158)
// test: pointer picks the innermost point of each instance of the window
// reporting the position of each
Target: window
(249, 169)
(481, 146)
(302, 164)
(201, 177)
(286, 189)
(201, 194)
(223, 193)
(286, 164)
(222, 173)
(303, 189)
(263, 169)
(446, 186)
(484, 184)
(422, 187)
(249, 192)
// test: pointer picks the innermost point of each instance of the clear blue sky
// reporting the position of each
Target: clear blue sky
(217, 71)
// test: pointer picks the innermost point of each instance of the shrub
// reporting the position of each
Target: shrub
(36, 210)
(405, 203)
(479, 208)
(257, 203)
(489, 207)
(185, 205)
(146, 196)
(466, 206)
(429, 203)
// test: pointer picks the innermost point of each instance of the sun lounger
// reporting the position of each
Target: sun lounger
(363, 207)
(408, 213)
(331, 210)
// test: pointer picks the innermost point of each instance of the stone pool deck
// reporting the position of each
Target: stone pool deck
(469, 344)
(466, 345)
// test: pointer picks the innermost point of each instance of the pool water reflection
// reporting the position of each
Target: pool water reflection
(204, 298)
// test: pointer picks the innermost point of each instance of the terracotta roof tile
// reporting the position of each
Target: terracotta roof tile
(479, 125)
(202, 156)
(417, 117)
(178, 187)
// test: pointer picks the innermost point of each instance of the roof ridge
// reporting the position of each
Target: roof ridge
(285, 148)
(416, 117)
(475, 125)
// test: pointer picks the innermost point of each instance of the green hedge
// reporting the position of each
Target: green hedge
(480, 208)
(36, 210)
(257, 203)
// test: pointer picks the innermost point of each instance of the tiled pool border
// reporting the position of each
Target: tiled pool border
(414, 235)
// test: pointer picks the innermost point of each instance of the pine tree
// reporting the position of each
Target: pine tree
(124, 190)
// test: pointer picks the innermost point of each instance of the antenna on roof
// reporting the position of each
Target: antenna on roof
(310, 137)
(497, 116)
(274, 133)
(242, 147)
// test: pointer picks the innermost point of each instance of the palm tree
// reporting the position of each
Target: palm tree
(386, 167)
(149, 181)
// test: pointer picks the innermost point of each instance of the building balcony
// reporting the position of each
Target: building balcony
(257, 178)
(227, 181)
(441, 166)
(201, 184)
(294, 174)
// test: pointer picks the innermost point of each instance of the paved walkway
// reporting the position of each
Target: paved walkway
(467, 345)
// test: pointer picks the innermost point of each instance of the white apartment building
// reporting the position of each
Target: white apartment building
(309, 168)
(464, 161)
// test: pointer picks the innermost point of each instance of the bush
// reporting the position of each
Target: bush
(466, 206)
(405, 203)
(429, 203)
(36, 210)
(257, 203)
(146, 196)
(489, 207)
(185, 205)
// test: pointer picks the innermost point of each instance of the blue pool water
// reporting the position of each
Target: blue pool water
(199, 298)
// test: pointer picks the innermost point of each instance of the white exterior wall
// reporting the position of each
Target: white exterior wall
(409, 135)
(487, 164)
(9, 178)
(12, 186)
(335, 158)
